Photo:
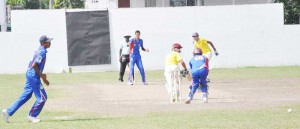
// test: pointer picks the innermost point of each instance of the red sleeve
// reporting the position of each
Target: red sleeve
(131, 46)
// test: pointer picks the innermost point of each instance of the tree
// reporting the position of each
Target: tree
(35, 4)
(68, 4)
(291, 11)
(14, 3)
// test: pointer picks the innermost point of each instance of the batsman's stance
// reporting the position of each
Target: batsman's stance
(33, 84)
(199, 68)
(202, 44)
(172, 72)
(135, 57)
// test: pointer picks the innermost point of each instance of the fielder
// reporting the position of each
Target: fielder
(33, 84)
(172, 71)
(199, 69)
(202, 44)
(124, 56)
(135, 57)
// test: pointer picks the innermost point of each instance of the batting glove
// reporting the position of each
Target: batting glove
(216, 53)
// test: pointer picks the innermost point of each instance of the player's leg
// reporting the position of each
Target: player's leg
(204, 86)
(168, 76)
(41, 98)
(122, 68)
(25, 96)
(141, 69)
(209, 56)
(177, 85)
(193, 88)
(131, 72)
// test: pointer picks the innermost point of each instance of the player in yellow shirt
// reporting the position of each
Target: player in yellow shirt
(172, 69)
(203, 44)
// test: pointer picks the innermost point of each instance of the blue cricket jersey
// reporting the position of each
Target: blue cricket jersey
(135, 46)
(198, 62)
(39, 58)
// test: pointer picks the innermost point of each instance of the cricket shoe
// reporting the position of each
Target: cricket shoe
(5, 115)
(33, 119)
(207, 80)
(130, 83)
(204, 98)
(188, 101)
(145, 83)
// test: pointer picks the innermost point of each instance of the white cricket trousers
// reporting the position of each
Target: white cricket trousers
(171, 72)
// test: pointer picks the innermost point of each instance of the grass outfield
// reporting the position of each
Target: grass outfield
(11, 87)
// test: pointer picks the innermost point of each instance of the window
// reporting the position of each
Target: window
(124, 3)
(174, 3)
(150, 3)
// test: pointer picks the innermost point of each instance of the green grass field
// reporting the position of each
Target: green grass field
(11, 87)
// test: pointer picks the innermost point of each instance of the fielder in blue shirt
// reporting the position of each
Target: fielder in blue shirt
(33, 84)
(199, 68)
(135, 58)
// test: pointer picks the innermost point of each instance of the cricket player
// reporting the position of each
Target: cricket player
(171, 67)
(135, 57)
(199, 68)
(203, 44)
(124, 56)
(33, 84)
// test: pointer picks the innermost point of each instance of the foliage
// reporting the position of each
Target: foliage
(14, 3)
(35, 4)
(291, 11)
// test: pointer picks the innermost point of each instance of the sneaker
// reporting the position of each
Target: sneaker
(145, 83)
(188, 101)
(130, 83)
(33, 119)
(207, 80)
(121, 79)
(205, 98)
(5, 115)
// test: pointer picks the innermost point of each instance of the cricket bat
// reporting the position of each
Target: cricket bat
(189, 77)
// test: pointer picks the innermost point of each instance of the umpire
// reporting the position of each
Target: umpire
(124, 56)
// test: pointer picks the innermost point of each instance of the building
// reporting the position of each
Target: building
(92, 4)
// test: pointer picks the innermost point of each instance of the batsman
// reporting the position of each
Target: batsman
(172, 69)
(199, 68)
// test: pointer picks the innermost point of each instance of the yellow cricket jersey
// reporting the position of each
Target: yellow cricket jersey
(173, 58)
(203, 45)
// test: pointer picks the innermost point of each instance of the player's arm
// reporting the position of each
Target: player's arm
(120, 55)
(142, 46)
(212, 45)
(183, 64)
(43, 76)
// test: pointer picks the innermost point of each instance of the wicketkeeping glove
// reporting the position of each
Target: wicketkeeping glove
(183, 73)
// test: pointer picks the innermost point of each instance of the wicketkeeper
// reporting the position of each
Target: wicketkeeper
(172, 69)
(199, 69)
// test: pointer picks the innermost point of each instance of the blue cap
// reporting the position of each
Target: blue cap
(44, 38)
(195, 34)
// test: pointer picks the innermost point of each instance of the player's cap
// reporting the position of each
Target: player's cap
(195, 34)
(177, 45)
(197, 51)
(44, 38)
(126, 35)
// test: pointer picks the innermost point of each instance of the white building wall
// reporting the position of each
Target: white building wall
(3, 23)
(17, 47)
(247, 35)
